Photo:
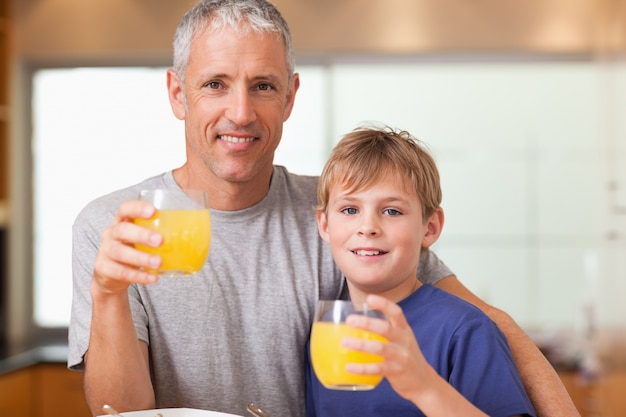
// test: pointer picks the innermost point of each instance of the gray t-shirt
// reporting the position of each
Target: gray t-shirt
(236, 332)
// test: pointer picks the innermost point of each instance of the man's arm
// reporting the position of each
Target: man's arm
(542, 383)
(117, 368)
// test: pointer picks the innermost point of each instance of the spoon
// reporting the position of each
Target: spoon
(256, 411)
(110, 410)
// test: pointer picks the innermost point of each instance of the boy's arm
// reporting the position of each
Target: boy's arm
(543, 385)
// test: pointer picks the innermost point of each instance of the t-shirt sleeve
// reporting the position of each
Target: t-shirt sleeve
(85, 241)
(86, 235)
(431, 269)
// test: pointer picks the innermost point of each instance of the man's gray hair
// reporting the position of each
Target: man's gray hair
(259, 16)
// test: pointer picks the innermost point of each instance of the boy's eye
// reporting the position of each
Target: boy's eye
(392, 212)
(349, 210)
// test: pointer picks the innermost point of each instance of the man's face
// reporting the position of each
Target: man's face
(235, 100)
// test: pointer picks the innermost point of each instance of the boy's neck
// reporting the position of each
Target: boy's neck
(396, 294)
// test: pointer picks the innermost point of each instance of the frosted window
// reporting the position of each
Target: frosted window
(523, 158)
(100, 129)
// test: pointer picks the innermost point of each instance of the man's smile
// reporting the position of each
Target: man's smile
(236, 139)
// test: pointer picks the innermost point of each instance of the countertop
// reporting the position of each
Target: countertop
(34, 356)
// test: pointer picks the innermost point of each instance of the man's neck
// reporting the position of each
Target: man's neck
(225, 195)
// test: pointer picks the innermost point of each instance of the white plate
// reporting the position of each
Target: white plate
(175, 412)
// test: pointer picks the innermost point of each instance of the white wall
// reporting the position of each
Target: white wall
(524, 169)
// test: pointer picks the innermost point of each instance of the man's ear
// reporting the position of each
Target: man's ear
(176, 94)
(434, 225)
(322, 224)
(291, 96)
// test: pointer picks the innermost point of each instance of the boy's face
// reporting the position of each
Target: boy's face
(376, 235)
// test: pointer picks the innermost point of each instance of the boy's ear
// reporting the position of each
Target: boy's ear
(434, 225)
(322, 224)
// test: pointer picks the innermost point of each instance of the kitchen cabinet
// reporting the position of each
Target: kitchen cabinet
(15, 393)
(42, 390)
(601, 397)
(57, 388)
(4, 101)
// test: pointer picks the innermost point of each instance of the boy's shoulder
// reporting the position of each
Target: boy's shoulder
(431, 297)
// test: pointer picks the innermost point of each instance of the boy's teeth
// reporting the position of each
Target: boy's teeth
(367, 252)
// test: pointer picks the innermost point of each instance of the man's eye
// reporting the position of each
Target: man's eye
(392, 212)
(214, 85)
(349, 210)
(265, 87)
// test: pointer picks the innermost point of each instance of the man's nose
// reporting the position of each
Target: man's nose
(240, 109)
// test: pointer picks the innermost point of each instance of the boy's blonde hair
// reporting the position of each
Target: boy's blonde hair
(367, 155)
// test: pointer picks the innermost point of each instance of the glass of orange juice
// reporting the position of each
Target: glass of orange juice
(329, 358)
(184, 221)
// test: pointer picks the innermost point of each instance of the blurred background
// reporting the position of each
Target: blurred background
(522, 103)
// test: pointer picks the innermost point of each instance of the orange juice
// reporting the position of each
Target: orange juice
(329, 358)
(186, 239)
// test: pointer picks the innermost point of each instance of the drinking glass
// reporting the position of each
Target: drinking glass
(184, 221)
(329, 358)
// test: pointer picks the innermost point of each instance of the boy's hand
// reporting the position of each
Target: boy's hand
(404, 365)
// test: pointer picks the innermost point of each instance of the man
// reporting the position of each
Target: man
(236, 332)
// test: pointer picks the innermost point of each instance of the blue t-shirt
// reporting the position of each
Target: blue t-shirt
(463, 345)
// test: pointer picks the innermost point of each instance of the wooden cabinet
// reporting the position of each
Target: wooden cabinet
(4, 100)
(16, 393)
(57, 388)
(601, 397)
(42, 391)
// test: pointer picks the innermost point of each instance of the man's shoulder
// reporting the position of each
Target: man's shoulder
(295, 184)
(291, 177)
(107, 204)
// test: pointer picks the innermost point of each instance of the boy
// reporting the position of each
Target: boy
(378, 206)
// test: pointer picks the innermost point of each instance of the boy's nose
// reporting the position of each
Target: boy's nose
(369, 227)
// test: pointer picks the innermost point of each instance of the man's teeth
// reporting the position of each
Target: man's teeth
(368, 252)
(235, 139)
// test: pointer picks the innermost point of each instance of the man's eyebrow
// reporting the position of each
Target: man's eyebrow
(269, 78)
(209, 75)
(273, 79)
